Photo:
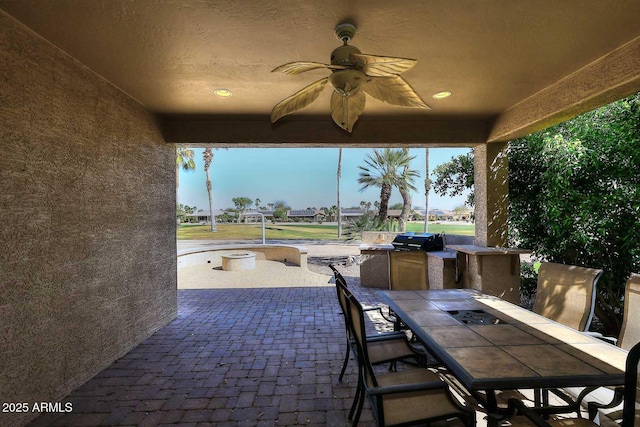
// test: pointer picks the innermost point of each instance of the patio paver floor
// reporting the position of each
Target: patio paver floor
(232, 357)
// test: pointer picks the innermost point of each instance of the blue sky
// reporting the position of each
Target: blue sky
(303, 177)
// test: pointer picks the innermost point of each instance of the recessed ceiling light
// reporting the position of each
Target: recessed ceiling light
(224, 93)
(442, 94)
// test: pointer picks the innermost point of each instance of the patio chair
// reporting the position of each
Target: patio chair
(630, 332)
(385, 347)
(566, 294)
(389, 317)
(630, 415)
(415, 395)
(607, 398)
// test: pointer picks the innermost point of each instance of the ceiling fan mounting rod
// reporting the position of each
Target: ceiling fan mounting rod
(345, 32)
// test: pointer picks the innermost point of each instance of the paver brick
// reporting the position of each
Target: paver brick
(232, 357)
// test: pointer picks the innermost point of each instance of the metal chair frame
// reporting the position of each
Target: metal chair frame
(368, 381)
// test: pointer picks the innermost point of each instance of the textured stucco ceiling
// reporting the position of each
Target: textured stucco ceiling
(171, 54)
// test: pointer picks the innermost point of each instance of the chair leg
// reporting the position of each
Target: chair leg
(358, 402)
(344, 364)
(537, 397)
(356, 419)
(470, 419)
(356, 399)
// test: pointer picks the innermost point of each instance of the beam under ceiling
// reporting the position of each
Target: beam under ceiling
(369, 132)
(609, 78)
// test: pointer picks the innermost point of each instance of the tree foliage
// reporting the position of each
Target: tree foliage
(242, 204)
(184, 161)
(385, 169)
(280, 209)
(574, 196)
(454, 177)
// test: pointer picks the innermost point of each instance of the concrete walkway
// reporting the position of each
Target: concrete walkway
(314, 248)
(267, 274)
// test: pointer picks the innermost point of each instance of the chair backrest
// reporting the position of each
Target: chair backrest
(334, 269)
(567, 294)
(631, 409)
(359, 333)
(341, 285)
(630, 332)
(343, 293)
(339, 278)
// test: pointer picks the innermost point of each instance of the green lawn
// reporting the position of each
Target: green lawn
(295, 231)
(463, 229)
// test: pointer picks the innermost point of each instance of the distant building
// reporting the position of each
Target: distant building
(352, 213)
(201, 217)
(268, 214)
(463, 214)
(204, 217)
(305, 215)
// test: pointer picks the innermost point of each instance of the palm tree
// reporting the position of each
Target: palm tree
(339, 211)
(382, 171)
(207, 156)
(405, 186)
(258, 204)
(427, 188)
(184, 161)
(333, 212)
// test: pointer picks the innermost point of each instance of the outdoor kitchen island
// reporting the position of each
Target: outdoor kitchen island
(495, 271)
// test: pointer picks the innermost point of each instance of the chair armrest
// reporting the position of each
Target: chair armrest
(405, 388)
(384, 336)
(610, 340)
(618, 397)
(386, 317)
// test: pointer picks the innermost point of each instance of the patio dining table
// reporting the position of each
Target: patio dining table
(490, 344)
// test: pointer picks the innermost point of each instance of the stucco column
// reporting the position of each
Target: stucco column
(491, 194)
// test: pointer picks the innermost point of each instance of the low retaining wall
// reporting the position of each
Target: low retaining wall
(296, 255)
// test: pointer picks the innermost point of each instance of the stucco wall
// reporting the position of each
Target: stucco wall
(87, 209)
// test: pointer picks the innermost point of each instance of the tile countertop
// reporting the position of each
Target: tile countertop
(484, 250)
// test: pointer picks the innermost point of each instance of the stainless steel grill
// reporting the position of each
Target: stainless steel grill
(418, 242)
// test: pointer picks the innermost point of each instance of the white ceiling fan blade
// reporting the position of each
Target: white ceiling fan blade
(394, 90)
(345, 110)
(298, 100)
(302, 66)
(383, 65)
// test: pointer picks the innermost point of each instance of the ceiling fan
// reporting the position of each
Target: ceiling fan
(352, 75)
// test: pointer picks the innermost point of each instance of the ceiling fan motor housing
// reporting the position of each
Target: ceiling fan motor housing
(340, 55)
(347, 82)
